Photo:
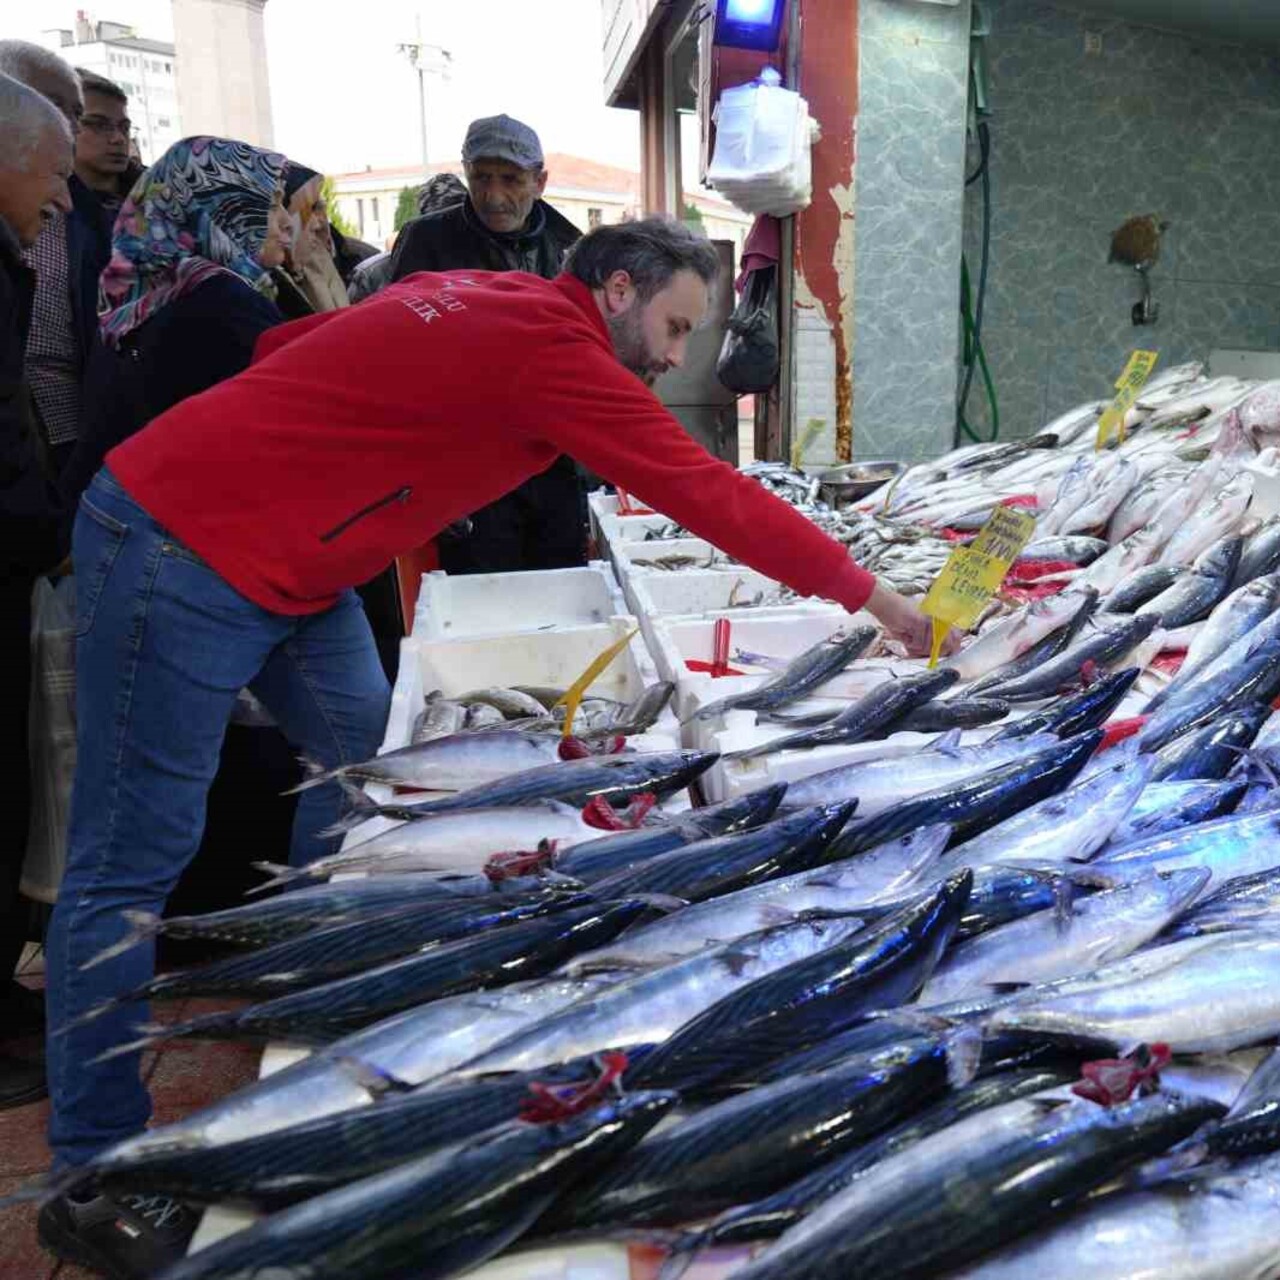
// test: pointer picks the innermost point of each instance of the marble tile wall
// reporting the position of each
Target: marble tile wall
(1156, 122)
(913, 88)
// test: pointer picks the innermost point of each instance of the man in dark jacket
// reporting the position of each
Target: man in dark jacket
(35, 163)
(62, 318)
(504, 225)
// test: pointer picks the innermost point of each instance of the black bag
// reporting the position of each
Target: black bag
(749, 359)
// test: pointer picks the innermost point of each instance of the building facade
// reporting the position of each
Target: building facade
(145, 69)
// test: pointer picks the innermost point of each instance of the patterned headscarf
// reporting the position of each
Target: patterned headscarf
(202, 208)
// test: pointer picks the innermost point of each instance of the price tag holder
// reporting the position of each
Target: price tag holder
(974, 573)
(1128, 388)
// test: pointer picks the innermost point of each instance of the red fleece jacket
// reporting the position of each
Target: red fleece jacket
(358, 434)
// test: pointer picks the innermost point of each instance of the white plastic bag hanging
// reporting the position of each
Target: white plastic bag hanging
(762, 159)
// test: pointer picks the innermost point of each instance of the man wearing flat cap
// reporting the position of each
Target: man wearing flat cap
(504, 225)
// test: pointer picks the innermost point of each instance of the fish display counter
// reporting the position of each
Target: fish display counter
(942, 954)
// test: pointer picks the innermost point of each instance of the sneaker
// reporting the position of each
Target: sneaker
(21, 1081)
(125, 1237)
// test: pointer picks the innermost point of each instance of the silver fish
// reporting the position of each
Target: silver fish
(1225, 1226)
(1092, 931)
(1222, 995)
(651, 1006)
(880, 784)
(880, 875)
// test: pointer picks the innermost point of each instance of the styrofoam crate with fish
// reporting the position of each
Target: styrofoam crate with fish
(695, 594)
(779, 637)
(542, 659)
(464, 606)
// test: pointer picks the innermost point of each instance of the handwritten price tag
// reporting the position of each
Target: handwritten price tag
(973, 574)
(1128, 388)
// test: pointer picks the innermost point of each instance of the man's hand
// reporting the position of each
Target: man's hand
(904, 621)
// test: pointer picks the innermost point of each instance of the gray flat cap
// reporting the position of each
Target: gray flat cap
(502, 138)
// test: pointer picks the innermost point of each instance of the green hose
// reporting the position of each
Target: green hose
(974, 351)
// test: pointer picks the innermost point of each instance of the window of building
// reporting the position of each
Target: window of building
(360, 213)
(594, 218)
(168, 66)
(162, 122)
(376, 219)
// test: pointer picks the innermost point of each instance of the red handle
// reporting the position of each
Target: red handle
(720, 647)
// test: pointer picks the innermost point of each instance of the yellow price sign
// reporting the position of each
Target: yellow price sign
(973, 574)
(572, 697)
(1128, 388)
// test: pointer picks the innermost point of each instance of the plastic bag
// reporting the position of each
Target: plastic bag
(51, 735)
(749, 357)
(762, 160)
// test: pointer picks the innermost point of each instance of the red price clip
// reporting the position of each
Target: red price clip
(720, 647)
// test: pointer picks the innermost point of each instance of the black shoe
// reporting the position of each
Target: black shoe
(21, 1081)
(125, 1237)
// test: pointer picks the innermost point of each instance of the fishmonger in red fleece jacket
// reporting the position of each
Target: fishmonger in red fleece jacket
(358, 434)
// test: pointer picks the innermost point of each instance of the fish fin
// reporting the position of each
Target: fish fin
(280, 875)
(622, 965)
(317, 775)
(664, 902)
(736, 960)
(1064, 895)
(376, 1082)
(964, 1055)
(948, 744)
(142, 926)
(1002, 987)
(682, 1253)
(774, 913)
(361, 809)
(923, 1019)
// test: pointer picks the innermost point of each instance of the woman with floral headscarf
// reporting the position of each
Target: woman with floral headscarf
(188, 289)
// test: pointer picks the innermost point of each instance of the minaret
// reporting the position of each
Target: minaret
(222, 69)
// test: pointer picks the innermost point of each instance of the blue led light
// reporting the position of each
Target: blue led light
(752, 11)
(749, 24)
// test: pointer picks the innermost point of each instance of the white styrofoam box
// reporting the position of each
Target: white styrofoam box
(550, 658)
(781, 635)
(463, 606)
(635, 528)
(697, 592)
(633, 554)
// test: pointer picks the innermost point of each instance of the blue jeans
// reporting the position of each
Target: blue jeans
(163, 647)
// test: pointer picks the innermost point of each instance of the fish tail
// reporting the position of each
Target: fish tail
(47, 1186)
(152, 1033)
(361, 809)
(280, 875)
(317, 775)
(143, 925)
(964, 1055)
(682, 1255)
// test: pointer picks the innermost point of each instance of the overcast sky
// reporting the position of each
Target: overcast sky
(343, 97)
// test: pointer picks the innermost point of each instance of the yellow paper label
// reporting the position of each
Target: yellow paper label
(973, 574)
(572, 697)
(813, 428)
(1128, 388)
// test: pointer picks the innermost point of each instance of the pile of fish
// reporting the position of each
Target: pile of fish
(536, 710)
(999, 1005)
(979, 1010)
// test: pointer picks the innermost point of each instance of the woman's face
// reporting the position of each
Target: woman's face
(279, 235)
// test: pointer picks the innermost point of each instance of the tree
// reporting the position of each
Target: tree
(406, 206)
(330, 198)
(692, 216)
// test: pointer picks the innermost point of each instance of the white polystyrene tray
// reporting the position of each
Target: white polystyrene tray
(781, 635)
(551, 658)
(460, 607)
